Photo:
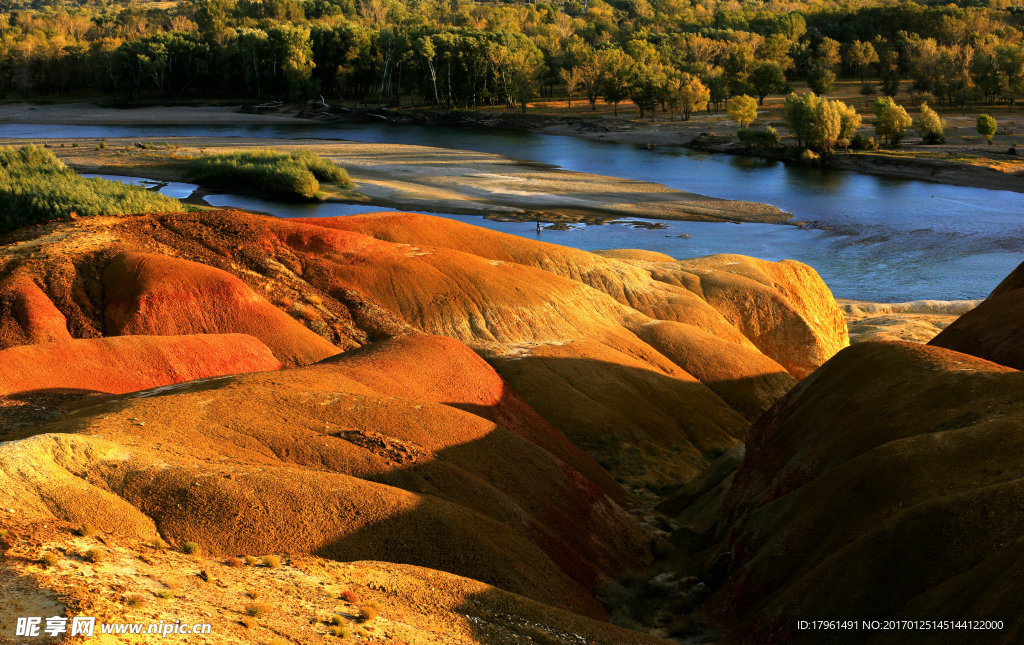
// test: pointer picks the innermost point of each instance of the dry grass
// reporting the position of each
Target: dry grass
(257, 609)
(49, 560)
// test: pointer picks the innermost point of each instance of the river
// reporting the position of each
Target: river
(869, 237)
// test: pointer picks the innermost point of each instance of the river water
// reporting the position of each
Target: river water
(870, 238)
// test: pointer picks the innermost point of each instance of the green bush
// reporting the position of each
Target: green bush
(863, 142)
(275, 174)
(809, 156)
(37, 187)
(987, 127)
(759, 139)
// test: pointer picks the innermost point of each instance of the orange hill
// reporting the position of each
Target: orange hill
(579, 336)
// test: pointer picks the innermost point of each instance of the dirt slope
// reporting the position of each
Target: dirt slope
(847, 506)
(303, 598)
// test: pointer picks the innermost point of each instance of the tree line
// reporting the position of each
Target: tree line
(677, 56)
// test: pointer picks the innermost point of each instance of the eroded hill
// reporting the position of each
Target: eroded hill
(389, 387)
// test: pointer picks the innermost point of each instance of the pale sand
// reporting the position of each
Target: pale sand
(434, 179)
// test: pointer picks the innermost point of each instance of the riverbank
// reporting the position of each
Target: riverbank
(972, 164)
(964, 161)
(421, 178)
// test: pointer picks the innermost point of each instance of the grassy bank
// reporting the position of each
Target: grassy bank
(280, 175)
(36, 187)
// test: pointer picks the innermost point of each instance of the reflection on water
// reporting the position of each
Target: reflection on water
(869, 237)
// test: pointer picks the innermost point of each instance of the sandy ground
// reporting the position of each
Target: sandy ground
(433, 179)
(917, 321)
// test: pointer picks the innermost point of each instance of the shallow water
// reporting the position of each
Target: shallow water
(869, 237)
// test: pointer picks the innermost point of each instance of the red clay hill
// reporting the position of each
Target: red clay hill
(582, 338)
(388, 387)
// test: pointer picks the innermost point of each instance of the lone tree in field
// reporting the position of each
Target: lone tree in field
(931, 126)
(891, 120)
(986, 127)
(743, 109)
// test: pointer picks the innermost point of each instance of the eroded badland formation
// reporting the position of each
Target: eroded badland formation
(485, 439)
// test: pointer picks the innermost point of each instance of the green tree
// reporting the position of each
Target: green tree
(931, 126)
(889, 70)
(986, 127)
(1010, 62)
(820, 77)
(859, 55)
(891, 120)
(743, 109)
(798, 112)
(820, 123)
(767, 78)
(615, 64)
(828, 51)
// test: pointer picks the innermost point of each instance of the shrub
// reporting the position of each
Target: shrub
(233, 562)
(93, 555)
(809, 156)
(272, 561)
(85, 530)
(369, 612)
(37, 187)
(294, 176)
(986, 127)
(257, 609)
(863, 142)
(166, 594)
(349, 596)
(49, 560)
(336, 620)
(342, 631)
(250, 560)
(190, 548)
(134, 600)
(759, 138)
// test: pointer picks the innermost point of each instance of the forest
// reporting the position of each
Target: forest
(677, 55)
